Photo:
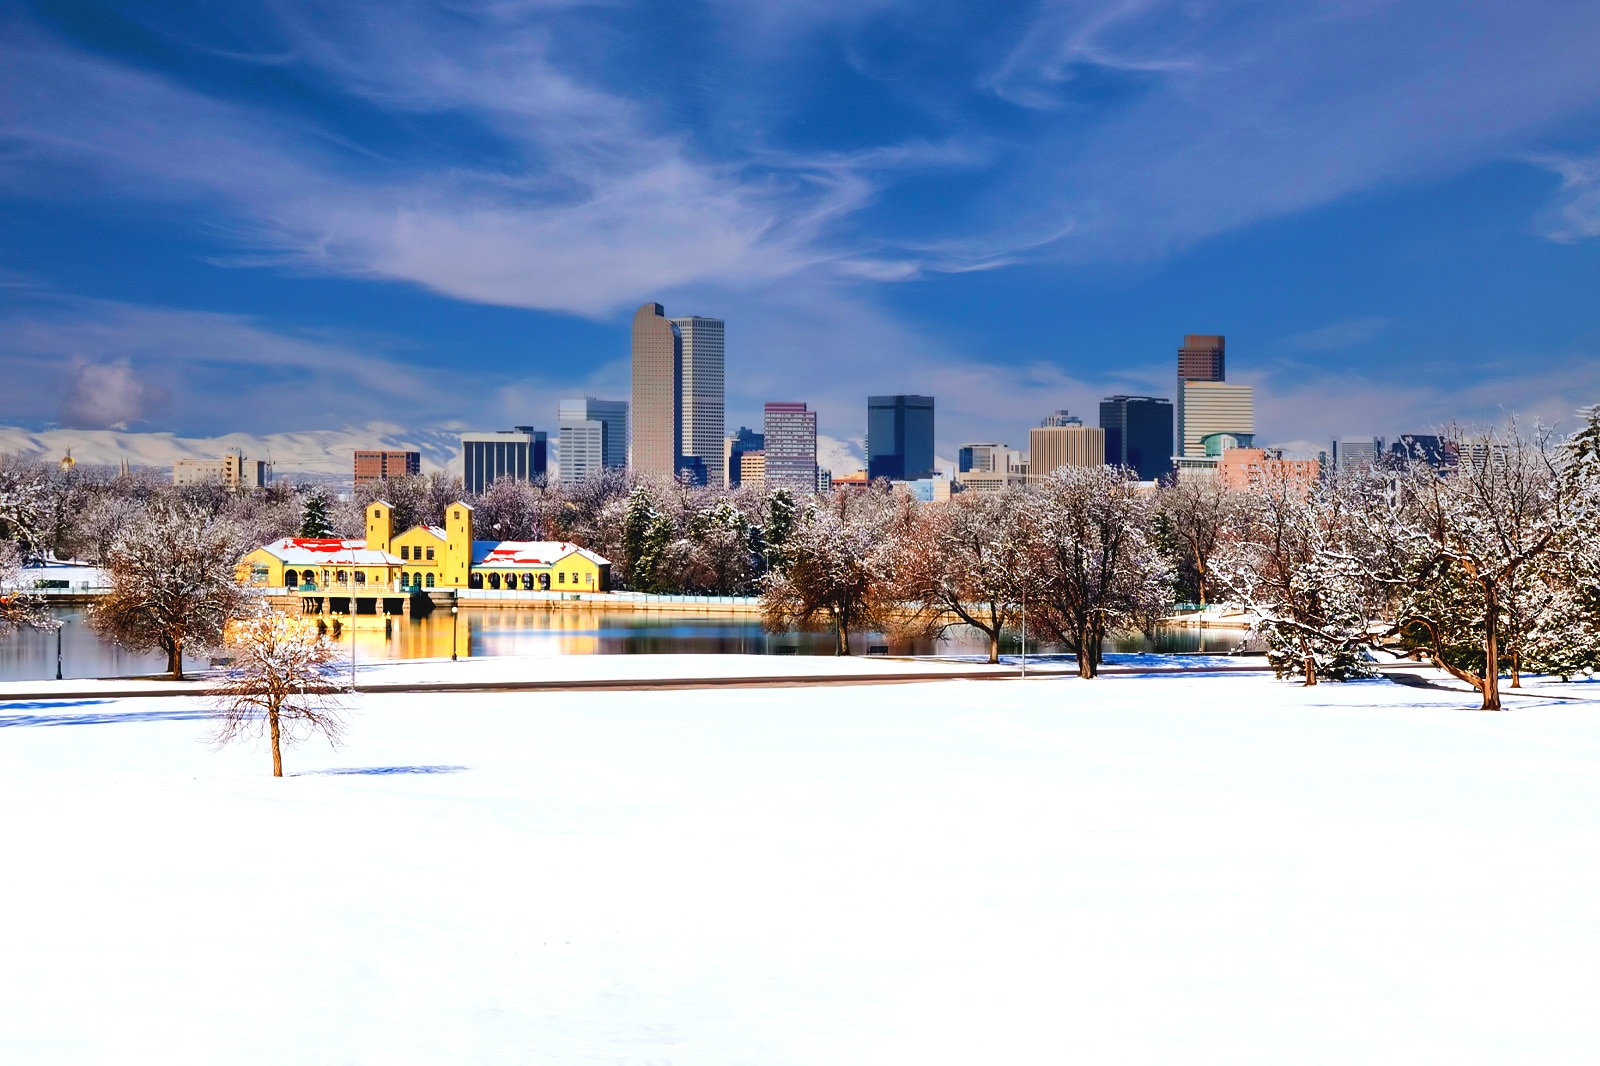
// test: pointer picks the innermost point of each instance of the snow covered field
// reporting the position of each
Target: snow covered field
(1138, 869)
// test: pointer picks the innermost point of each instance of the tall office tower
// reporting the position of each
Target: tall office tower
(518, 453)
(1356, 453)
(1201, 358)
(1062, 417)
(790, 432)
(900, 437)
(613, 417)
(1207, 407)
(655, 441)
(981, 458)
(702, 409)
(382, 465)
(1052, 447)
(594, 437)
(1425, 448)
(1138, 434)
(746, 440)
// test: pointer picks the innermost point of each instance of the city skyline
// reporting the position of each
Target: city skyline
(370, 237)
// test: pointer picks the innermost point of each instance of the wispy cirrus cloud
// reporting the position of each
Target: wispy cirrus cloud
(1574, 212)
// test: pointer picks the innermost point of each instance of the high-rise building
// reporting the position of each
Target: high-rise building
(1062, 417)
(1138, 434)
(753, 469)
(382, 465)
(594, 437)
(746, 440)
(519, 453)
(981, 458)
(1209, 407)
(1425, 448)
(1075, 444)
(1200, 358)
(790, 433)
(899, 437)
(701, 394)
(1356, 453)
(655, 442)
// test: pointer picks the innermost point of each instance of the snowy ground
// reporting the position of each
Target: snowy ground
(1139, 869)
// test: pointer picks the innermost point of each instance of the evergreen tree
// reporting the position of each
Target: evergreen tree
(316, 522)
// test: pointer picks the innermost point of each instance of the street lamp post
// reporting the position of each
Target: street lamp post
(1024, 636)
(59, 628)
(452, 629)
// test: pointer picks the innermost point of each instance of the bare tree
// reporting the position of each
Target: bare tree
(838, 568)
(24, 492)
(1092, 567)
(961, 564)
(173, 582)
(283, 683)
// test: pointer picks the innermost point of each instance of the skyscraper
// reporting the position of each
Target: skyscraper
(1138, 434)
(1221, 408)
(1209, 407)
(656, 438)
(518, 453)
(899, 437)
(381, 465)
(1051, 447)
(790, 433)
(745, 440)
(701, 394)
(594, 437)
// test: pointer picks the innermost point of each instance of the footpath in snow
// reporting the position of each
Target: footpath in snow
(1195, 869)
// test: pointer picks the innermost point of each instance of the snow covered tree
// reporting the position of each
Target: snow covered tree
(18, 609)
(173, 582)
(1091, 564)
(23, 504)
(1293, 568)
(1194, 520)
(962, 564)
(1468, 537)
(647, 537)
(839, 568)
(283, 683)
(719, 549)
(316, 522)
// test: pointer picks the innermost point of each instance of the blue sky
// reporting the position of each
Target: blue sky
(293, 216)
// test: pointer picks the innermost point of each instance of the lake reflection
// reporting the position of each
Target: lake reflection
(476, 633)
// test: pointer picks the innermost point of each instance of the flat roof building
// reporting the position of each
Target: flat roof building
(593, 436)
(1214, 407)
(519, 453)
(1053, 447)
(1138, 434)
(655, 439)
(701, 393)
(790, 436)
(234, 471)
(382, 465)
(899, 437)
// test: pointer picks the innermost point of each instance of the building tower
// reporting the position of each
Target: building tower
(655, 440)
(701, 394)
(1205, 404)
(900, 437)
(1138, 434)
(594, 437)
(518, 453)
(790, 435)
(1059, 443)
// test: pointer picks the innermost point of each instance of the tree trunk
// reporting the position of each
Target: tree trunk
(1086, 659)
(175, 659)
(1491, 649)
(1309, 659)
(1516, 669)
(1200, 583)
(277, 750)
(842, 638)
(994, 645)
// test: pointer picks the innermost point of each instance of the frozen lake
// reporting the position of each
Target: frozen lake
(480, 633)
(1162, 869)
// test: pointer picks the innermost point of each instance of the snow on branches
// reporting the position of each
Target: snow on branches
(283, 684)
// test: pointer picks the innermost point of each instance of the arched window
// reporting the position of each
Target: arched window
(494, 581)
(343, 577)
(361, 577)
(474, 581)
(544, 582)
(511, 581)
(430, 581)
(289, 579)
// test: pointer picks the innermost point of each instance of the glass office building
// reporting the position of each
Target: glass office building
(900, 437)
(518, 453)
